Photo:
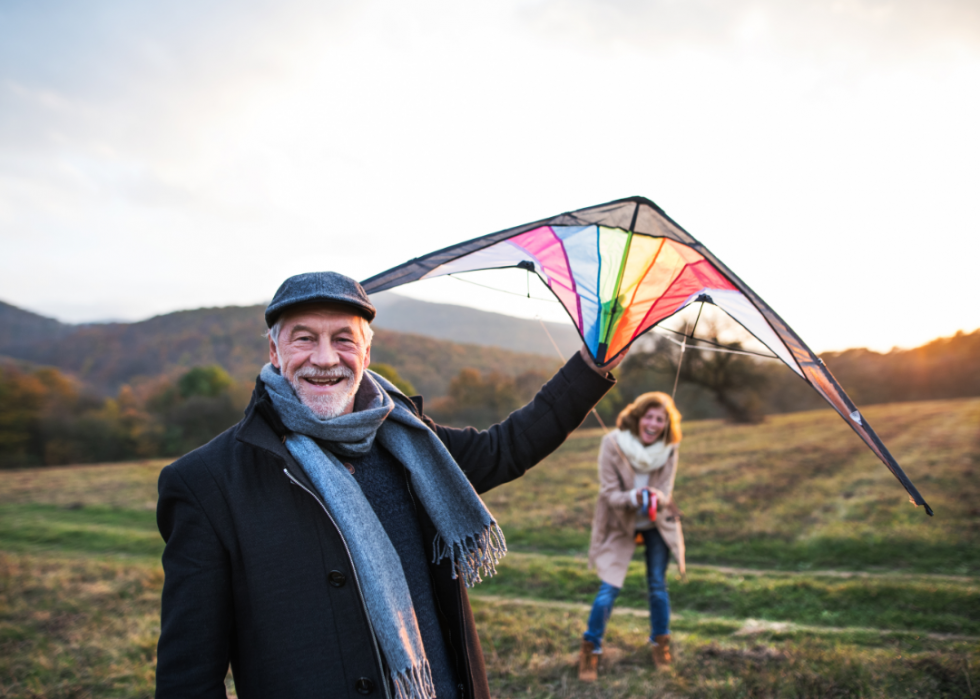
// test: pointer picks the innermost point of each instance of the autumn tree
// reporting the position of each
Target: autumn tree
(389, 372)
(194, 409)
(481, 400)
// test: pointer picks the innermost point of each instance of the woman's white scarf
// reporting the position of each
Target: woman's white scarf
(643, 458)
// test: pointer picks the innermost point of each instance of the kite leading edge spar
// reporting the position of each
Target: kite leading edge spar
(622, 267)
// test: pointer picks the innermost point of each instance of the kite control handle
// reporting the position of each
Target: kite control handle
(649, 503)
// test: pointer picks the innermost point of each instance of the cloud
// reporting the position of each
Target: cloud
(195, 153)
(101, 74)
(883, 29)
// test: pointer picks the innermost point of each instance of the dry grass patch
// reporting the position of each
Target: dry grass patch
(130, 486)
(74, 627)
(532, 652)
(799, 491)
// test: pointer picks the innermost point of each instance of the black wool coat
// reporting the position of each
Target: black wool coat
(259, 576)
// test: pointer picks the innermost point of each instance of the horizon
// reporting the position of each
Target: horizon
(567, 322)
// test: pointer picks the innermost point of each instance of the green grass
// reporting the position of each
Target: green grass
(799, 492)
(794, 504)
(924, 603)
(93, 530)
(531, 652)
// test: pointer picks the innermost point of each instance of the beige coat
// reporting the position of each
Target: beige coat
(614, 526)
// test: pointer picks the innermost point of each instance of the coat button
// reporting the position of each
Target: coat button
(349, 467)
(364, 686)
(336, 578)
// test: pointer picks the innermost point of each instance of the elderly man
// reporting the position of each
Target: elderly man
(322, 546)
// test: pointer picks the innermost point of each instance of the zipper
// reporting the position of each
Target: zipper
(357, 582)
(466, 664)
(466, 656)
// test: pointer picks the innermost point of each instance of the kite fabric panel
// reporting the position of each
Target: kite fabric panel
(621, 268)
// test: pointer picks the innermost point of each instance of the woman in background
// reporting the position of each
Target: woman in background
(637, 465)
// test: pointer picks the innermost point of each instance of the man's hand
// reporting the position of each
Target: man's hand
(601, 371)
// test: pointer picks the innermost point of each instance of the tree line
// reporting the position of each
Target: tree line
(744, 389)
(735, 387)
(48, 418)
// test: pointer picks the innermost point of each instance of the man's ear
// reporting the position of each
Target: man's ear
(367, 357)
(273, 355)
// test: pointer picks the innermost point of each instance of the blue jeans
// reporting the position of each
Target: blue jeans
(657, 558)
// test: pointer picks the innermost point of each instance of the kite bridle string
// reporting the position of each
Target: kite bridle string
(503, 291)
(680, 359)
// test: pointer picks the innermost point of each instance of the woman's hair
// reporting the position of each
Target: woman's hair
(629, 417)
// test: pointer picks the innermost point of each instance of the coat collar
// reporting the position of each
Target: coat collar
(624, 472)
(261, 428)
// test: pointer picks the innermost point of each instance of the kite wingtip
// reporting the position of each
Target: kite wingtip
(923, 503)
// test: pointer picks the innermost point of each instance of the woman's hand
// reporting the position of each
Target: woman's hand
(672, 510)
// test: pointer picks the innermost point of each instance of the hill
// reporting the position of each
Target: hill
(468, 325)
(107, 355)
(20, 329)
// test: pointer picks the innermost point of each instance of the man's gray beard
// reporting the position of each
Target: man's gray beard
(327, 407)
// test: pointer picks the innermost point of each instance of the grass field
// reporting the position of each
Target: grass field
(809, 573)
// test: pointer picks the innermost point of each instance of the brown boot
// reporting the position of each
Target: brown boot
(661, 651)
(588, 662)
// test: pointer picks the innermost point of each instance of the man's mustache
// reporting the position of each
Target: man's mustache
(339, 372)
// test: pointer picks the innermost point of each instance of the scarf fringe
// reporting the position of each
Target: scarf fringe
(475, 556)
(415, 682)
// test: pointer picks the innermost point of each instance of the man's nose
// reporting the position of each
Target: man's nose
(324, 355)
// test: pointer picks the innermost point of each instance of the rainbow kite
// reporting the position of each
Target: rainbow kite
(619, 269)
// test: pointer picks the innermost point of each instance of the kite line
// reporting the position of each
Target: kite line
(562, 357)
(684, 349)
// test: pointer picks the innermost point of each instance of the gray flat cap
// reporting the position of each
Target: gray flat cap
(328, 287)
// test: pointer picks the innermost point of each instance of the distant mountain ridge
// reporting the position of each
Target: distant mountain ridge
(107, 355)
(469, 325)
(20, 329)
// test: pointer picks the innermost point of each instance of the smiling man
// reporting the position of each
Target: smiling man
(322, 350)
(323, 546)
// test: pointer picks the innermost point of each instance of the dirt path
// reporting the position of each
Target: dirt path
(829, 573)
(750, 627)
(728, 570)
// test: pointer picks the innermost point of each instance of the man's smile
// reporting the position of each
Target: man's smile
(324, 380)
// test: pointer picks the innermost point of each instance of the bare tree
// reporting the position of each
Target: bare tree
(736, 381)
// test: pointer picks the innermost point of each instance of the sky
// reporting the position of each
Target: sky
(164, 156)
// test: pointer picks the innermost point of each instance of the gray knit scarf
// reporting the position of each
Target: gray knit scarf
(466, 532)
